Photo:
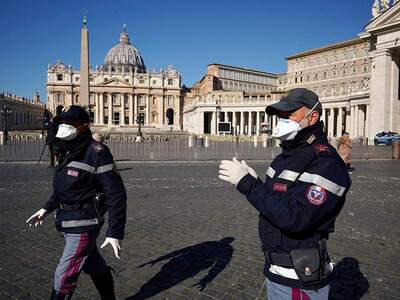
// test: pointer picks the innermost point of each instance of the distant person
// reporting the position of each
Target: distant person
(344, 150)
(51, 140)
(86, 184)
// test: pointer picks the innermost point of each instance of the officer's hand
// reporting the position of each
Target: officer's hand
(232, 171)
(115, 243)
(250, 170)
(37, 218)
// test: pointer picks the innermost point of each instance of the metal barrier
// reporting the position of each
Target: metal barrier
(178, 150)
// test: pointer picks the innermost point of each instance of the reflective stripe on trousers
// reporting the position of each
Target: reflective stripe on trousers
(80, 254)
(276, 291)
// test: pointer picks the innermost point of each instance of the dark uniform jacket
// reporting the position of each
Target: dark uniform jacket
(77, 180)
(304, 192)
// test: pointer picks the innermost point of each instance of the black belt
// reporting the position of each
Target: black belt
(72, 207)
(279, 259)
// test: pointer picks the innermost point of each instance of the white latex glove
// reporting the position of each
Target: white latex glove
(232, 171)
(115, 244)
(250, 170)
(37, 218)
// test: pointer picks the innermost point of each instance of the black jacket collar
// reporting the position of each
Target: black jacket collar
(304, 137)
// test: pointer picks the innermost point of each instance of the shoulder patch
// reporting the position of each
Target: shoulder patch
(318, 148)
(316, 195)
(97, 146)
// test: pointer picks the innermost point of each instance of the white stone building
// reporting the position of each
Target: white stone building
(119, 90)
(229, 94)
(357, 80)
(19, 113)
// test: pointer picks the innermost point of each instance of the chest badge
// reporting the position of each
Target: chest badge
(316, 195)
(72, 173)
(280, 187)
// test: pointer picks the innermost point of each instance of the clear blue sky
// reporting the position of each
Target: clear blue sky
(188, 34)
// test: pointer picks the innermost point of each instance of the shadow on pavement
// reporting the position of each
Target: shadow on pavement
(186, 263)
(348, 282)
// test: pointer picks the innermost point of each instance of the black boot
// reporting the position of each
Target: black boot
(60, 296)
(105, 285)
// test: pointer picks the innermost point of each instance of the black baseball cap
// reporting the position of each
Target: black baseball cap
(75, 113)
(293, 100)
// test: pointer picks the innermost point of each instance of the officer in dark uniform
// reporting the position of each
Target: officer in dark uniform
(304, 191)
(51, 139)
(86, 183)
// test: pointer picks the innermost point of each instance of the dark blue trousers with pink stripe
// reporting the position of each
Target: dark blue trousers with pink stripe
(80, 254)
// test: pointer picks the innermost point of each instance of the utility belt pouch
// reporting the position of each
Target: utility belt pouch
(100, 204)
(308, 266)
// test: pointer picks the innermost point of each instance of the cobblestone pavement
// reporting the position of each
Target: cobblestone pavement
(191, 236)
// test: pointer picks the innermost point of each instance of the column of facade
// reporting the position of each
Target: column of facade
(241, 123)
(136, 109)
(213, 128)
(131, 115)
(339, 123)
(330, 122)
(258, 123)
(101, 109)
(110, 109)
(177, 111)
(147, 109)
(361, 122)
(250, 126)
(122, 112)
(96, 104)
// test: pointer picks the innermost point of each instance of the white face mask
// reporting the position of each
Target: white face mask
(66, 132)
(286, 129)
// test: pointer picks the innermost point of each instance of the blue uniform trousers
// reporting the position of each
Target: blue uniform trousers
(80, 254)
(276, 291)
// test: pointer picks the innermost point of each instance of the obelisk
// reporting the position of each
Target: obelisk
(84, 87)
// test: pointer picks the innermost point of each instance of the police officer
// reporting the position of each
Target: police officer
(84, 180)
(304, 191)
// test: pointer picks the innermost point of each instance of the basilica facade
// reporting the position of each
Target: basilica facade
(120, 89)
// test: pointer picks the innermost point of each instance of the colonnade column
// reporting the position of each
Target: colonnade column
(258, 123)
(330, 122)
(352, 122)
(339, 123)
(367, 120)
(241, 123)
(234, 122)
(356, 114)
(250, 124)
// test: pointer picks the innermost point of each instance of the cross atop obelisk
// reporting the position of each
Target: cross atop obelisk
(84, 76)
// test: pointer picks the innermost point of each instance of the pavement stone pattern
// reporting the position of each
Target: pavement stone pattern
(191, 236)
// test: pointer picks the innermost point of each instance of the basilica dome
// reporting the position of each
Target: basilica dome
(124, 55)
